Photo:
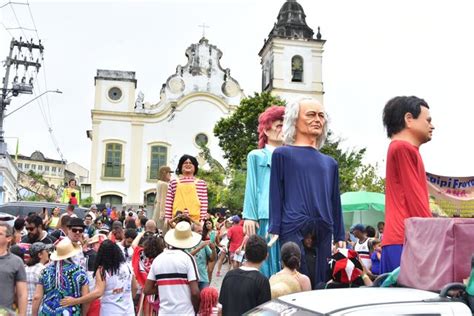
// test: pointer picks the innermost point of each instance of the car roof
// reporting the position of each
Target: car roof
(330, 300)
(22, 208)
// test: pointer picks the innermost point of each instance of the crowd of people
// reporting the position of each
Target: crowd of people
(289, 237)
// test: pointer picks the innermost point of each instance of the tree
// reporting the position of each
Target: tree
(214, 178)
(237, 133)
(233, 195)
(237, 136)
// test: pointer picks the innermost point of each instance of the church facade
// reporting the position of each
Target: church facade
(132, 139)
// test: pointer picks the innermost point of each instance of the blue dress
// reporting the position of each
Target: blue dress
(69, 283)
(305, 199)
(256, 203)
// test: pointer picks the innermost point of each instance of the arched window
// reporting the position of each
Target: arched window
(113, 167)
(158, 158)
(111, 198)
(297, 69)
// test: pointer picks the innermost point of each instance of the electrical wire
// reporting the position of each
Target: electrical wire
(45, 113)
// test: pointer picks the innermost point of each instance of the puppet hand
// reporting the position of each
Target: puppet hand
(273, 239)
(250, 227)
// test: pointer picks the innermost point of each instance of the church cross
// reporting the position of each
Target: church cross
(204, 26)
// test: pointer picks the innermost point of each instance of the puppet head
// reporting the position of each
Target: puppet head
(265, 121)
(292, 117)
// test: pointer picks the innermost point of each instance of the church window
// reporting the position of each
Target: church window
(297, 69)
(158, 158)
(115, 93)
(113, 161)
(111, 198)
(201, 139)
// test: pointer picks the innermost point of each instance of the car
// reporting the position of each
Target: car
(22, 208)
(9, 219)
(362, 301)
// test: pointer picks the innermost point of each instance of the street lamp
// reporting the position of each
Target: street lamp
(17, 109)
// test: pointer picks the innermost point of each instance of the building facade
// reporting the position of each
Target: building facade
(132, 139)
(53, 171)
(8, 179)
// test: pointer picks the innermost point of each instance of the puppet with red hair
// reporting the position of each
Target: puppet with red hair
(257, 189)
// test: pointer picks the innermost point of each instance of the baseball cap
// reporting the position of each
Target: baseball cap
(116, 225)
(359, 227)
(76, 222)
(37, 247)
(235, 219)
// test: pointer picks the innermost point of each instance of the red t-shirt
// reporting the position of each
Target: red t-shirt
(406, 190)
(236, 236)
(73, 200)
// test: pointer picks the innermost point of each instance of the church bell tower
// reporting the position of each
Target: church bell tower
(291, 56)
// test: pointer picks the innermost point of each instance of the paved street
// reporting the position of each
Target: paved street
(217, 281)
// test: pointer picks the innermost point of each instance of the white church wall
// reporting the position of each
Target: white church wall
(112, 132)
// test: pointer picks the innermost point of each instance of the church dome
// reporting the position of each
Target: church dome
(291, 22)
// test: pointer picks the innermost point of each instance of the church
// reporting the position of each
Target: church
(132, 139)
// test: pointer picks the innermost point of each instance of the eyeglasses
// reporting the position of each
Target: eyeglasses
(30, 229)
(77, 230)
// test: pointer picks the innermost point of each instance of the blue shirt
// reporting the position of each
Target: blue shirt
(257, 186)
(202, 256)
(304, 190)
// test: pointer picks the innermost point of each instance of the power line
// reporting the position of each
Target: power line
(44, 109)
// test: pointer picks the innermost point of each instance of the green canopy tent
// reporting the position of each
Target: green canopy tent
(367, 208)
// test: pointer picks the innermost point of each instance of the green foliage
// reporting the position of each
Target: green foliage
(237, 133)
(39, 198)
(87, 202)
(38, 177)
(353, 174)
(368, 180)
(214, 178)
(233, 195)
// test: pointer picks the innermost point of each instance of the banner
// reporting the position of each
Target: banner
(451, 196)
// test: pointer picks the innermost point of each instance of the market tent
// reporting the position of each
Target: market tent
(367, 208)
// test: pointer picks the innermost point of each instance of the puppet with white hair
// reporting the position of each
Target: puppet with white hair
(304, 187)
(257, 188)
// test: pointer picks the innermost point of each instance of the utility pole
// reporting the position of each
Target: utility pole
(17, 87)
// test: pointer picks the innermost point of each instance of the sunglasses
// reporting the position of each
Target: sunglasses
(77, 230)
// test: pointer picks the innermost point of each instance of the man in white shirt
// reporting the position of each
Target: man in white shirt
(173, 274)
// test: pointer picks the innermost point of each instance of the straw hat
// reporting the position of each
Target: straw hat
(98, 238)
(182, 237)
(283, 284)
(64, 250)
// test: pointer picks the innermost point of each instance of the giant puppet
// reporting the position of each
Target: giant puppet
(408, 124)
(257, 188)
(66, 197)
(304, 186)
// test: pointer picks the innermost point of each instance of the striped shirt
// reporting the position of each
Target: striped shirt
(201, 189)
(172, 270)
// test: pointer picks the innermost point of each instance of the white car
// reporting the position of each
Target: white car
(362, 301)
